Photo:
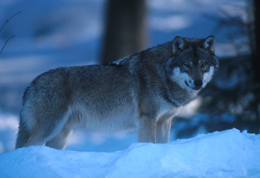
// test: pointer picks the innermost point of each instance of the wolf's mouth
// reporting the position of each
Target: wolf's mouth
(194, 88)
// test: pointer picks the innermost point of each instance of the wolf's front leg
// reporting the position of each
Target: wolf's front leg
(163, 130)
(146, 130)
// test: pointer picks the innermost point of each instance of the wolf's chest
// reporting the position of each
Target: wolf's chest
(167, 111)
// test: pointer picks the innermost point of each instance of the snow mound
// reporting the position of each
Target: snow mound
(220, 154)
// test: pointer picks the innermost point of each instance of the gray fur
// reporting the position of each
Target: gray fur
(143, 91)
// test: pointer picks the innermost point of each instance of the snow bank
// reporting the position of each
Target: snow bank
(219, 154)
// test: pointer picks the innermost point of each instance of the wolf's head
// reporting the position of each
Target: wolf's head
(193, 62)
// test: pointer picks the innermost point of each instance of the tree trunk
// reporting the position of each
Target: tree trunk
(256, 55)
(256, 60)
(125, 30)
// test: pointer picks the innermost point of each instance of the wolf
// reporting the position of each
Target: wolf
(143, 91)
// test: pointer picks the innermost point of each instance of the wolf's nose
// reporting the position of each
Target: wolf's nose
(198, 83)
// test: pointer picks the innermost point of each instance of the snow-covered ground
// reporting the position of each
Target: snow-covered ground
(227, 154)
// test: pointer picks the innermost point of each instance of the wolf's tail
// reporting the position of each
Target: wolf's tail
(23, 135)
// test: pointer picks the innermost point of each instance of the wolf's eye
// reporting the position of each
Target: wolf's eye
(203, 65)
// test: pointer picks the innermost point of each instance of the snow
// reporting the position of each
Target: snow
(228, 153)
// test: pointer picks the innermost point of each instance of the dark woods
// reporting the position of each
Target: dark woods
(235, 88)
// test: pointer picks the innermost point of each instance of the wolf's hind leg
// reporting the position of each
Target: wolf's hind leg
(38, 136)
(60, 141)
(45, 130)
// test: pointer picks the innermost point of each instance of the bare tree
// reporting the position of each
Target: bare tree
(125, 29)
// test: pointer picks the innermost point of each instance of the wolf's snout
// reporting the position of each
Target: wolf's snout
(198, 83)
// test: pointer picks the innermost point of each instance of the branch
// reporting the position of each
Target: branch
(9, 20)
(3, 27)
(6, 43)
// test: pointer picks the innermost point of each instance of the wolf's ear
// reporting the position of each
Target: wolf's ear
(209, 43)
(177, 45)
